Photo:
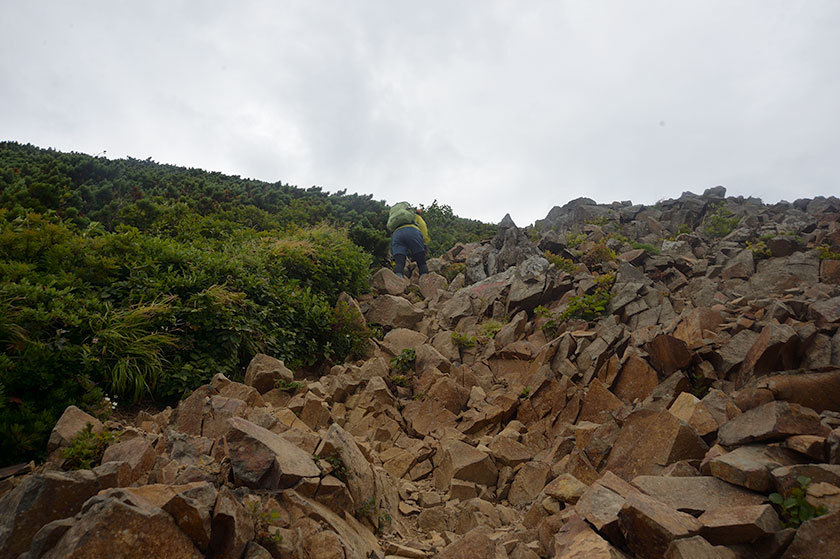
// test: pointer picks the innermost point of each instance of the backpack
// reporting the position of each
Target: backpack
(400, 214)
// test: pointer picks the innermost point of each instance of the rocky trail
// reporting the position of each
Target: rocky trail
(624, 384)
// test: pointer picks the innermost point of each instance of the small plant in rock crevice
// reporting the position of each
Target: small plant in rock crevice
(794, 509)
(404, 362)
(759, 249)
(720, 221)
(563, 264)
(263, 520)
(525, 393)
(825, 253)
(86, 448)
(490, 328)
(287, 386)
(462, 341)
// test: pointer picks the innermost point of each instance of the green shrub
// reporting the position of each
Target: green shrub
(587, 307)
(794, 509)
(489, 328)
(263, 520)
(684, 229)
(647, 247)
(559, 262)
(825, 253)
(451, 270)
(598, 254)
(404, 362)
(462, 341)
(720, 221)
(287, 386)
(86, 448)
(574, 240)
(759, 249)
(399, 380)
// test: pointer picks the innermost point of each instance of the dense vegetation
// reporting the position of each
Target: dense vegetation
(141, 280)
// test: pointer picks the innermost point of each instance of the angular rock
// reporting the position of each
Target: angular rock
(826, 311)
(697, 548)
(464, 462)
(118, 524)
(636, 381)
(732, 353)
(668, 354)
(261, 459)
(192, 511)
(739, 524)
(232, 527)
(137, 452)
(772, 421)
(528, 482)
(747, 466)
(818, 537)
(392, 311)
(775, 349)
(650, 440)
(575, 539)
(39, 500)
(71, 423)
(264, 371)
(598, 403)
(650, 526)
(696, 495)
(386, 281)
(359, 475)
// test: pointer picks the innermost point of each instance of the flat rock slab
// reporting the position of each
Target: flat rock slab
(696, 494)
(739, 524)
(697, 548)
(772, 421)
(748, 466)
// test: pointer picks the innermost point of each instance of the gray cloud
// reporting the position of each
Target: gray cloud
(487, 106)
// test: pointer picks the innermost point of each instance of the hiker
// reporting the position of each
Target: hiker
(409, 237)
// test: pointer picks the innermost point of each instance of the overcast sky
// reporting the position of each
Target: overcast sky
(488, 106)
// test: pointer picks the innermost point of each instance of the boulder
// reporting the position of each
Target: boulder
(696, 547)
(71, 423)
(739, 524)
(137, 452)
(394, 312)
(575, 539)
(358, 474)
(261, 459)
(696, 495)
(668, 354)
(118, 524)
(464, 462)
(264, 372)
(192, 511)
(818, 537)
(385, 281)
(37, 501)
(650, 440)
(636, 381)
(650, 526)
(772, 421)
(748, 466)
(528, 482)
(232, 527)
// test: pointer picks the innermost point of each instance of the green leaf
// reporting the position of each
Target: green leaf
(775, 498)
(790, 503)
(803, 480)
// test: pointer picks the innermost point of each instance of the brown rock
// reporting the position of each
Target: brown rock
(392, 311)
(735, 350)
(600, 507)
(688, 408)
(191, 509)
(386, 281)
(830, 272)
(598, 403)
(37, 501)
(650, 526)
(359, 474)
(747, 466)
(699, 326)
(528, 482)
(425, 416)
(576, 540)
(668, 354)
(566, 488)
(399, 339)
(637, 380)
(264, 371)
(770, 422)
(649, 440)
(818, 391)
(775, 349)
(509, 452)
(71, 423)
(232, 527)
(464, 462)
(696, 495)
(137, 452)
(812, 446)
(697, 548)
(118, 524)
(261, 459)
(739, 524)
(826, 311)
(786, 477)
(818, 537)
(475, 543)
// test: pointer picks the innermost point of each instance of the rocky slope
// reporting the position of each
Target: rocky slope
(706, 380)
